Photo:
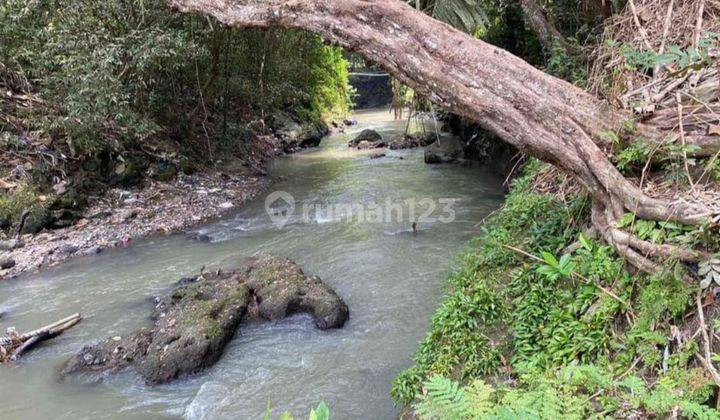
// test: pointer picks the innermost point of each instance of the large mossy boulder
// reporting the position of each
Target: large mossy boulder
(163, 170)
(282, 289)
(128, 172)
(67, 208)
(195, 321)
(293, 135)
(313, 133)
(192, 325)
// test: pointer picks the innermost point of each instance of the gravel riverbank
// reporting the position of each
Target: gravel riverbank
(122, 216)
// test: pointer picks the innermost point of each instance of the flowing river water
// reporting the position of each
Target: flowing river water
(391, 280)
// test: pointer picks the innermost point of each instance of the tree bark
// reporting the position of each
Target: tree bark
(547, 33)
(541, 115)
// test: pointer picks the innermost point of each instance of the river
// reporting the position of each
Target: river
(391, 280)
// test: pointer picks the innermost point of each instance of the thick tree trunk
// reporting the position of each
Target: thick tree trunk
(538, 21)
(539, 114)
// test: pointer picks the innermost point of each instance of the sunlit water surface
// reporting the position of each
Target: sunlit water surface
(391, 279)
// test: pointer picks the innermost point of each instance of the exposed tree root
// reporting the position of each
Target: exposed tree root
(634, 258)
(706, 359)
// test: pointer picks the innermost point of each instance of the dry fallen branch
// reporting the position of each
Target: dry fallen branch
(14, 345)
(682, 141)
(639, 26)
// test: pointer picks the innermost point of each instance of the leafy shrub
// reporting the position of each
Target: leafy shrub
(550, 324)
(574, 392)
(12, 205)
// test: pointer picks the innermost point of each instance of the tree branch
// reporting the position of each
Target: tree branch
(540, 115)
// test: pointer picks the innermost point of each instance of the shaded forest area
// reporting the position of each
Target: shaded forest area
(105, 94)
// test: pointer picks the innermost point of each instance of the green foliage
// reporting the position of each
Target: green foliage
(321, 412)
(654, 231)
(446, 399)
(506, 29)
(564, 340)
(476, 306)
(554, 269)
(13, 204)
(684, 59)
(662, 298)
(574, 392)
(714, 168)
(557, 320)
(115, 74)
(466, 15)
(632, 157)
(567, 65)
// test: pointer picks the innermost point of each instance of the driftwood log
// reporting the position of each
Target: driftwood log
(13, 345)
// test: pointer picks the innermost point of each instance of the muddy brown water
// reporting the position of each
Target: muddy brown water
(391, 279)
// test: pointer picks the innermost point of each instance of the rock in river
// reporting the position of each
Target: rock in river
(195, 321)
(293, 135)
(445, 150)
(367, 139)
(409, 141)
(282, 289)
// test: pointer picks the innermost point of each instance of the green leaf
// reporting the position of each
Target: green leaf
(321, 412)
(584, 242)
(550, 259)
(566, 265)
(266, 416)
(626, 220)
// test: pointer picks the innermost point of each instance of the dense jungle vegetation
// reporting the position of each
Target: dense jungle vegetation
(100, 87)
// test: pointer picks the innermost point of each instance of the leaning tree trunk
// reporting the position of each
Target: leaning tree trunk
(539, 114)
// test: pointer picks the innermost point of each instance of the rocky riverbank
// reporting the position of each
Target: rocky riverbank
(150, 204)
(121, 216)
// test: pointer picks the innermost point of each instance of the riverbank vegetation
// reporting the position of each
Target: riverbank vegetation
(543, 319)
(545, 315)
(98, 94)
